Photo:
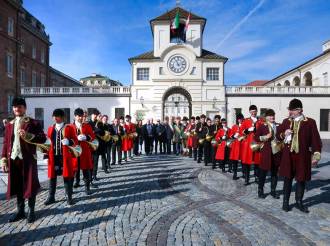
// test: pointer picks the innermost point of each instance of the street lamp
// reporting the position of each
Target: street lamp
(142, 101)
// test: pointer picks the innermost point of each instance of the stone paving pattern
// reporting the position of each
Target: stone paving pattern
(168, 200)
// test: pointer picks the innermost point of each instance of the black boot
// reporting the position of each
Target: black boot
(273, 187)
(20, 211)
(256, 173)
(31, 215)
(230, 167)
(286, 194)
(261, 184)
(299, 197)
(235, 171)
(52, 190)
(247, 174)
(87, 180)
(68, 185)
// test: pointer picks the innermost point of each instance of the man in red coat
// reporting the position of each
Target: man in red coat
(235, 146)
(19, 159)
(302, 151)
(127, 144)
(60, 157)
(249, 157)
(222, 151)
(84, 161)
(270, 157)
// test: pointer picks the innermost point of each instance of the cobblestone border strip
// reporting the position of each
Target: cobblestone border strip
(159, 232)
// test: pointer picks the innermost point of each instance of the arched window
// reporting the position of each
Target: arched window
(279, 84)
(308, 79)
(296, 81)
(287, 83)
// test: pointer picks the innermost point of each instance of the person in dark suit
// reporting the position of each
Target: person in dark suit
(159, 137)
(148, 132)
(116, 145)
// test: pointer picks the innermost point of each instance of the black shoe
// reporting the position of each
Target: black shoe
(199, 161)
(235, 177)
(50, 200)
(302, 207)
(31, 216)
(106, 171)
(286, 206)
(76, 185)
(95, 178)
(16, 217)
(213, 166)
(274, 194)
(261, 194)
(94, 185)
(195, 159)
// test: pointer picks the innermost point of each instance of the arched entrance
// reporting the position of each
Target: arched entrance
(176, 102)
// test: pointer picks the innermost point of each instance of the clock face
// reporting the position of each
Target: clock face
(177, 64)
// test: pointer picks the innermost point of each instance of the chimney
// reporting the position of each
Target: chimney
(326, 46)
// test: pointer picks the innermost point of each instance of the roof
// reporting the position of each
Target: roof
(169, 15)
(206, 54)
(297, 67)
(257, 83)
(101, 77)
(74, 81)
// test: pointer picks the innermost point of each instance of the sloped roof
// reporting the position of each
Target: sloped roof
(206, 54)
(169, 15)
(257, 83)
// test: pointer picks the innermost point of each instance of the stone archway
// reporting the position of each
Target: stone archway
(176, 101)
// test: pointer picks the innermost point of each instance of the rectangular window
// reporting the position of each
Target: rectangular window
(237, 111)
(42, 55)
(34, 51)
(11, 26)
(325, 120)
(161, 71)
(10, 65)
(34, 78)
(22, 47)
(39, 115)
(119, 112)
(9, 103)
(22, 76)
(142, 74)
(212, 73)
(42, 80)
(325, 79)
(66, 115)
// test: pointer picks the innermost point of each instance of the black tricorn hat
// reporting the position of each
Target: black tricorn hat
(239, 116)
(223, 120)
(95, 111)
(217, 116)
(253, 107)
(270, 112)
(295, 104)
(18, 101)
(58, 112)
(79, 112)
(185, 118)
(198, 118)
(192, 117)
(128, 117)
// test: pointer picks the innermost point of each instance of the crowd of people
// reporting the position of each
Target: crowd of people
(288, 149)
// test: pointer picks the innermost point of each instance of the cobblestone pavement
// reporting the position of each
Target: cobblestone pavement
(168, 200)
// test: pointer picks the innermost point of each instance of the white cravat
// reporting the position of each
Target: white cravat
(78, 124)
(16, 150)
(59, 126)
(300, 117)
(254, 119)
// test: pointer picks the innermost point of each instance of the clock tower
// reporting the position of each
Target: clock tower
(178, 77)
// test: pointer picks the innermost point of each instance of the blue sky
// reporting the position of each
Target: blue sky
(261, 38)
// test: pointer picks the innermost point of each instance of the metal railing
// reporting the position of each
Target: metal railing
(118, 90)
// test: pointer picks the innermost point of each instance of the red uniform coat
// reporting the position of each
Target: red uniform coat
(268, 159)
(247, 155)
(298, 165)
(31, 184)
(127, 143)
(192, 140)
(235, 145)
(68, 158)
(221, 149)
(86, 162)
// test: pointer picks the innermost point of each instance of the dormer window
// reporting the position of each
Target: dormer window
(178, 35)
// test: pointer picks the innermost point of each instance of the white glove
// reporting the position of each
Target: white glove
(65, 141)
(224, 137)
(82, 137)
(236, 135)
(251, 129)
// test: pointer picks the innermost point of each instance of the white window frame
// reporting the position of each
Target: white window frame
(142, 74)
(42, 55)
(10, 64)
(212, 73)
(34, 52)
(10, 27)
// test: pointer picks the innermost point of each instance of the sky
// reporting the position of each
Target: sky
(261, 38)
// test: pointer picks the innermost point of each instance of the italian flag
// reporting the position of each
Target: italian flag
(176, 22)
(187, 23)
